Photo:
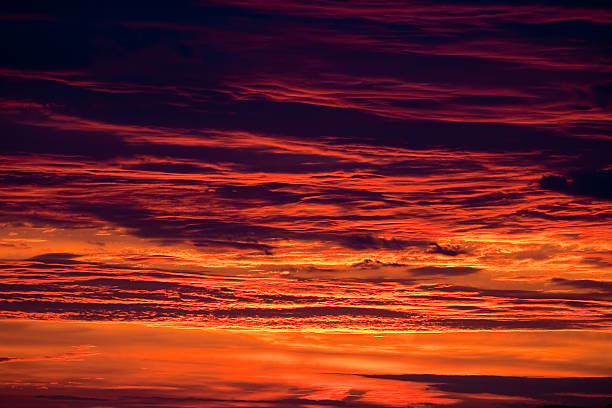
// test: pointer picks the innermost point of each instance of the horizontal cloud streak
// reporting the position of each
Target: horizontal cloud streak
(51, 287)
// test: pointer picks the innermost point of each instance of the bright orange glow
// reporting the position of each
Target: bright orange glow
(119, 361)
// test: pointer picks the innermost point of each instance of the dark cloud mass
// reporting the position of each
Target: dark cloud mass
(582, 391)
(596, 184)
(440, 270)
(585, 284)
(55, 258)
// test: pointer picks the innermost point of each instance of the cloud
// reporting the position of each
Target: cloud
(170, 167)
(602, 93)
(590, 183)
(376, 264)
(364, 242)
(443, 270)
(289, 402)
(70, 398)
(61, 258)
(568, 390)
(202, 231)
(600, 286)
(446, 250)
(102, 292)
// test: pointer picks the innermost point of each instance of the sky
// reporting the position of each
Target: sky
(306, 204)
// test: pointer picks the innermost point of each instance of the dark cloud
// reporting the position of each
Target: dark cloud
(514, 294)
(202, 231)
(178, 168)
(376, 264)
(269, 193)
(266, 249)
(154, 399)
(24, 139)
(579, 217)
(443, 270)
(195, 74)
(446, 250)
(70, 398)
(364, 242)
(600, 286)
(596, 183)
(218, 232)
(590, 391)
(61, 258)
(307, 312)
(602, 94)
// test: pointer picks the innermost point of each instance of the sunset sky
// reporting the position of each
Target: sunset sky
(306, 204)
